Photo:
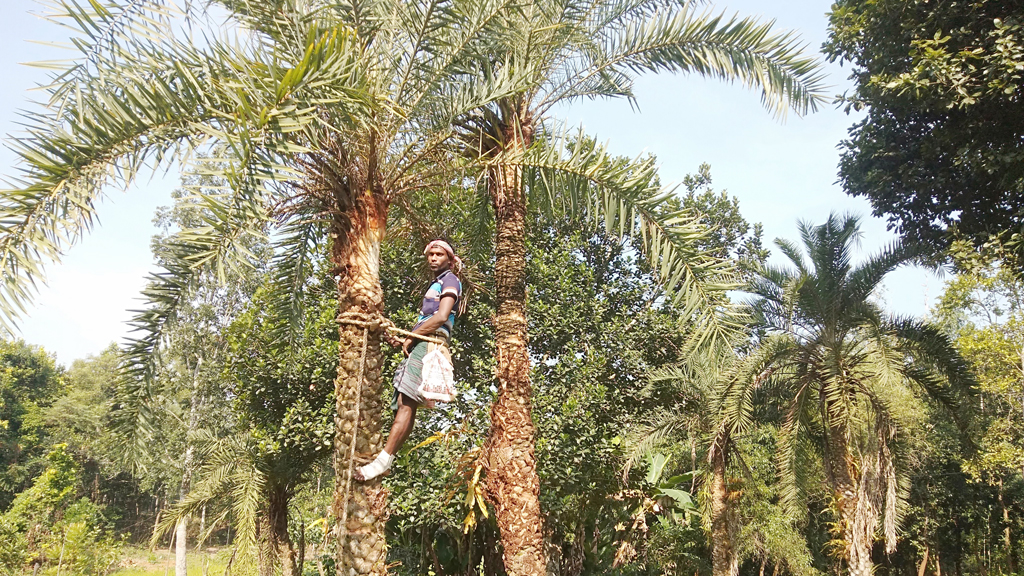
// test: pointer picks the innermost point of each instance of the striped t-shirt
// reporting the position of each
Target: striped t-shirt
(445, 283)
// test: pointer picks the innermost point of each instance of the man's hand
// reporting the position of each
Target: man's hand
(392, 340)
(407, 346)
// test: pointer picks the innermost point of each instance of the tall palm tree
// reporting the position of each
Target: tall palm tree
(851, 373)
(314, 115)
(574, 50)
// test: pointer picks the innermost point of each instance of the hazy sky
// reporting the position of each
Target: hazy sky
(780, 171)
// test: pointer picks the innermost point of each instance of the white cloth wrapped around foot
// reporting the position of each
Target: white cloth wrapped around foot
(379, 466)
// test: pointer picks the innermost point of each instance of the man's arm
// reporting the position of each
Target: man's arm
(430, 325)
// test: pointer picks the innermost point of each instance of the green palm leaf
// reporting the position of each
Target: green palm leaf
(580, 178)
(712, 46)
(153, 105)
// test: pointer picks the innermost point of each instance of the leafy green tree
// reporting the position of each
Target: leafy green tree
(952, 519)
(81, 419)
(853, 376)
(30, 381)
(984, 309)
(939, 152)
(596, 50)
(731, 236)
(48, 525)
(78, 417)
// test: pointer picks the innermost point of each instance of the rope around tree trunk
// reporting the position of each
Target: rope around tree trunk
(366, 322)
(377, 321)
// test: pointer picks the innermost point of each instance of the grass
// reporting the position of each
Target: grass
(145, 562)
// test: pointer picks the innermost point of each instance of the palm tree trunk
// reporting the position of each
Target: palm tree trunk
(281, 542)
(359, 508)
(857, 528)
(724, 560)
(512, 482)
(181, 547)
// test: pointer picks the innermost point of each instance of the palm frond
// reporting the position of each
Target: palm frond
(791, 458)
(734, 392)
(290, 271)
(867, 276)
(231, 479)
(582, 179)
(935, 363)
(646, 439)
(792, 251)
(154, 105)
(712, 46)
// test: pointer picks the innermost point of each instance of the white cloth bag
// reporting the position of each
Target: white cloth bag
(438, 377)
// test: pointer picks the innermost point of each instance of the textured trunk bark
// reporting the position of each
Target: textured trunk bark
(360, 509)
(724, 560)
(857, 531)
(512, 482)
(202, 529)
(300, 563)
(1011, 556)
(280, 541)
(264, 548)
(857, 520)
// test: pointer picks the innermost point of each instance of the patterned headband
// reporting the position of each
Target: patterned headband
(448, 250)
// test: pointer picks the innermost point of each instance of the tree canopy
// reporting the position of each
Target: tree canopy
(939, 153)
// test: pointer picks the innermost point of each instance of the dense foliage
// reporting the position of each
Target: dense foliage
(600, 329)
(30, 381)
(940, 150)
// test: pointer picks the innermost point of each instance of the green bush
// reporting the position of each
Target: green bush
(48, 526)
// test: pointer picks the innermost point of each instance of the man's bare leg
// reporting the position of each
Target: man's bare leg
(405, 418)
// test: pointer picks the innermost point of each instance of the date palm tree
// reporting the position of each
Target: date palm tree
(312, 116)
(852, 376)
(574, 50)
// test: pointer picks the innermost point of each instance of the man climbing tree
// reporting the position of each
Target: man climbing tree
(434, 326)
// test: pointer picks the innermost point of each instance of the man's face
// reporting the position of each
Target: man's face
(438, 260)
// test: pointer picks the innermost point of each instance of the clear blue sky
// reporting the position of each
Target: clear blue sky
(780, 171)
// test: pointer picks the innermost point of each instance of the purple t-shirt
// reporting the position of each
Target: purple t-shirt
(445, 283)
